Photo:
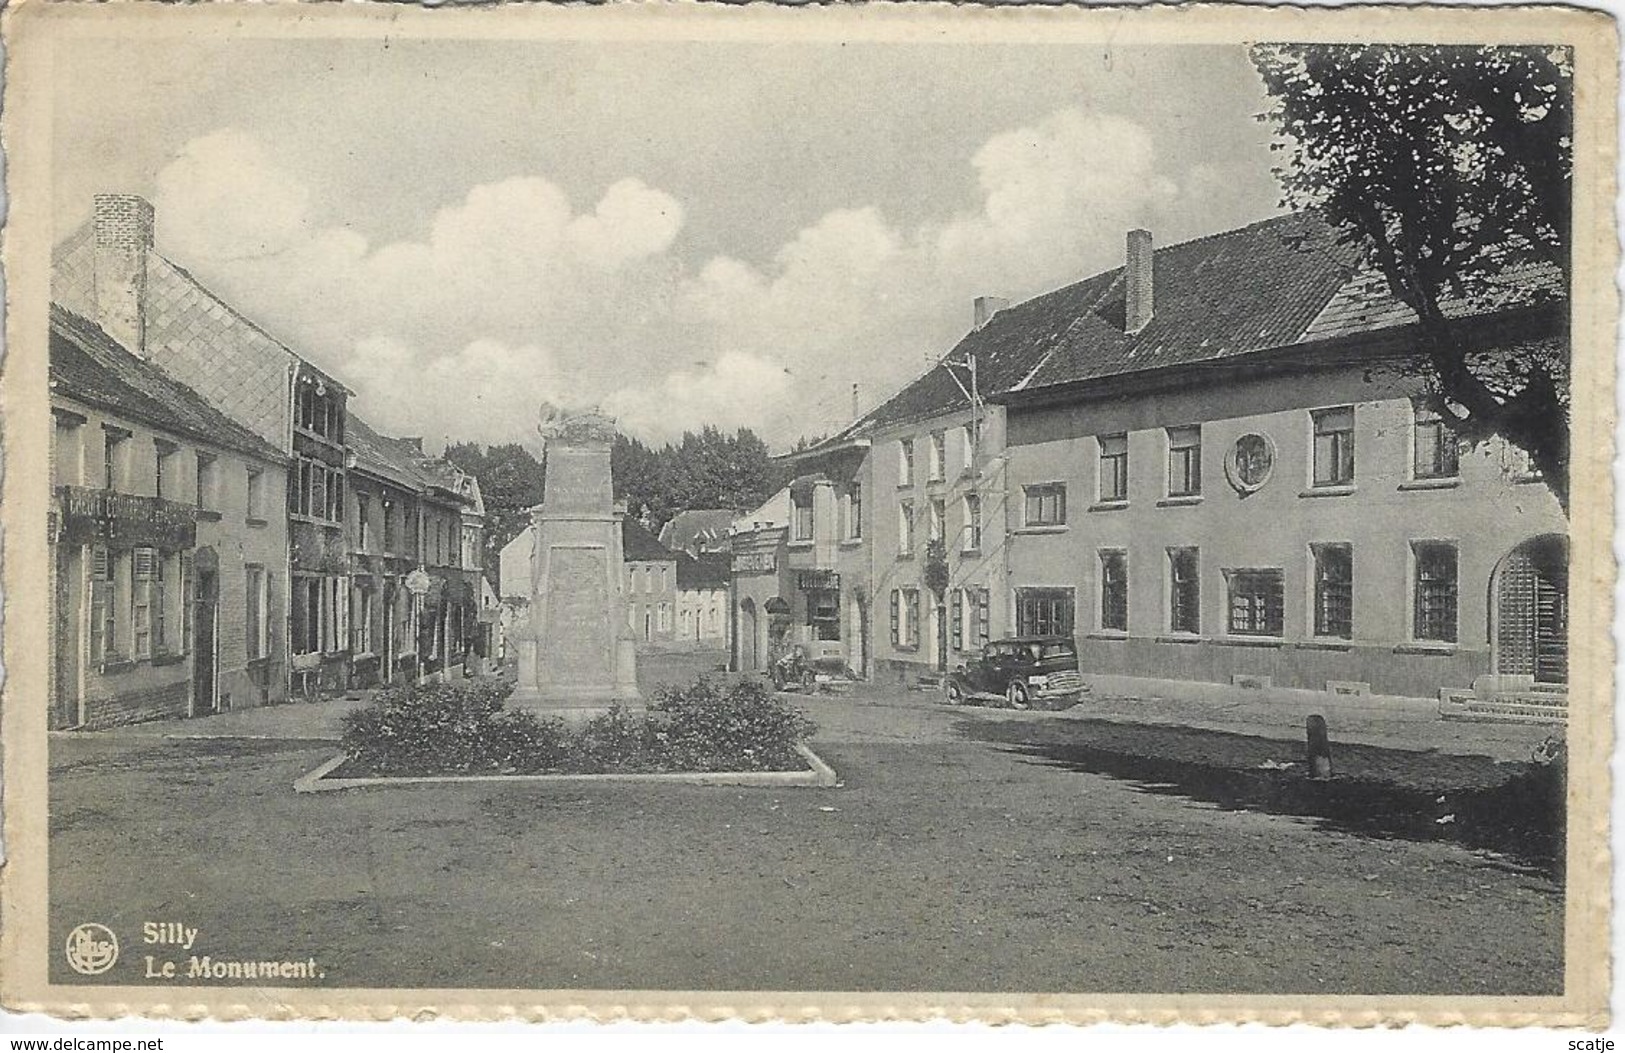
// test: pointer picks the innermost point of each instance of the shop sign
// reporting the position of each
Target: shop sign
(756, 563)
(817, 579)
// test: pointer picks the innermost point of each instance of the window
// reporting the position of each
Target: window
(905, 528)
(1046, 504)
(905, 618)
(1185, 461)
(802, 515)
(320, 615)
(115, 458)
(1437, 453)
(1435, 617)
(1114, 467)
(317, 492)
(1256, 602)
(973, 523)
(939, 455)
(163, 469)
(824, 613)
(1114, 591)
(854, 511)
(1184, 591)
(319, 414)
(1044, 612)
(905, 462)
(103, 606)
(68, 451)
(939, 513)
(257, 636)
(146, 601)
(205, 480)
(968, 618)
(389, 526)
(256, 495)
(363, 515)
(1334, 591)
(1334, 446)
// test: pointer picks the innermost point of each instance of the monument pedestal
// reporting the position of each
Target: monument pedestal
(576, 659)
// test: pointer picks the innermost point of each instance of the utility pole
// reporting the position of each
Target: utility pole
(972, 392)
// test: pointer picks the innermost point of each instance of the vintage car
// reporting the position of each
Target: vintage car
(1037, 671)
(805, 666)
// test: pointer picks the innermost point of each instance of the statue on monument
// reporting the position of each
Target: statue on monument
(577, 656)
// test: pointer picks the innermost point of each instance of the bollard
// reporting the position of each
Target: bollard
(1320, 748)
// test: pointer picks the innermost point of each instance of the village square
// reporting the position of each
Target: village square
(1181, 609)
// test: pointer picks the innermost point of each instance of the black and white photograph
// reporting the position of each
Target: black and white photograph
(841, 508)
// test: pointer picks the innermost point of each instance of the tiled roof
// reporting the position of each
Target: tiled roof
(706, 572)
(702, 524)
(88, 366)
(1275, 283)
(637, 543)
(382, 456)
(1244, 290)
(193, 334)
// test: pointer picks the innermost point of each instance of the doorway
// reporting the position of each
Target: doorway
(205, 657)
(1532, 611)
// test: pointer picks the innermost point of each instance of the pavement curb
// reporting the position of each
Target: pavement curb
(819, 774)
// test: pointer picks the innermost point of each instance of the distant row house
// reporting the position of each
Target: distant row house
(670, 598)
(237, 454)
(1212, 465)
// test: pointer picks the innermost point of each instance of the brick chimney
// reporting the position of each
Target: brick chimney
(985, 307)
(123, 237)
(1137, 282)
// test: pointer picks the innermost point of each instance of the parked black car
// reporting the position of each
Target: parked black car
(1024, 671)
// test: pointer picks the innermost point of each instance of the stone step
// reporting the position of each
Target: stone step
(1510, 710)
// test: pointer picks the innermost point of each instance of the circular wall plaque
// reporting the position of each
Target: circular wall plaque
(1249, 462)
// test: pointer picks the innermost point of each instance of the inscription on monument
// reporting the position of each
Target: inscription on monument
(579, 649)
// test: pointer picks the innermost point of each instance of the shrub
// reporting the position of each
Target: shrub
(411, 728)
(461, 728)
(744, 727)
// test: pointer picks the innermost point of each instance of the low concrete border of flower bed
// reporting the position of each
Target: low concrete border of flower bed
(819, 774)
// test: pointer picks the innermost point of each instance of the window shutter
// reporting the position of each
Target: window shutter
(101, 568)
(957, 619)
(896, 612)
(145, 564)
(981, 616)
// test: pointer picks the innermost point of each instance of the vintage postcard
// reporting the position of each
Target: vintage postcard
(881, 512)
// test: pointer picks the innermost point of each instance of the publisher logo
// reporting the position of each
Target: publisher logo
(92, 948)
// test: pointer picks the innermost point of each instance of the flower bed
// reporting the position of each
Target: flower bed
(462, 729)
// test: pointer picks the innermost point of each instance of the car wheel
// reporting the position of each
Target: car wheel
(956, 697)
(1016, 694)
(809, 679)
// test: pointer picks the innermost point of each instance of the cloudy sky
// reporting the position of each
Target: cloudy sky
(684, 234)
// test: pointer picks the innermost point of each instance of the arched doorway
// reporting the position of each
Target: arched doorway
(1531, 594)
(749, 652)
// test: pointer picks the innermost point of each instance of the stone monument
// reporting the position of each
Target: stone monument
(576, 656)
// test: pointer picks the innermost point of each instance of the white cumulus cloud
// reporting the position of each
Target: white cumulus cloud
(515, 294)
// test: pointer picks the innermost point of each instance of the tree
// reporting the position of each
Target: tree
(1448, 165)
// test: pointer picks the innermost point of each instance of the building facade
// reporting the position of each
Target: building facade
(1231, 475)
(702, 600)
(168, 550)
(109, 271)
(649, 572)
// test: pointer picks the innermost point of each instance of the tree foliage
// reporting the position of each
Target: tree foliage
(1450, 165)
(511, 484)
(706, 469)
